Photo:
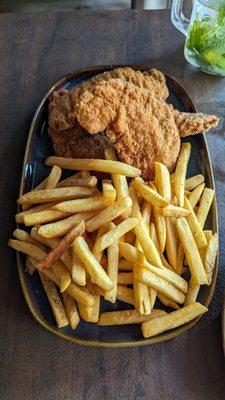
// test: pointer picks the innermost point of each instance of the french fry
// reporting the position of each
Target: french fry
(108, 189)
(24, 236)
(192, 293)
(102, 230)
(119, 181)
(149, 194)
(194, 225)
(70, 180)
(180, 259)
(53, 178)
(195, 195)
(40, 207)
(135, 256)
(174, 211)
(112, 167)
(210, 257)
(62, 227)
(87, 181)
(85, 312)
(165, 263)
(171, 243)
(125, 265)
(49, 273)
(162, 181)
(108, 214)
(194, 181)
(28, 249)
(95, 270)
(71, 310)
(125, 294)
(127, 317)
(168, 302)
(52, 243)
(96, 309)
(154, 236)
(55, 301)
(112, 268)
(172, 320)
(125, 278)
(41, 185)
(62, 275)
(204, 206)
(180, 173)
(141, 295)
(191, 252)
(160, 224)
(142, 233)
(30, 267)
(81, 295)
(146, 213)
(159, 284)
(152, 297)
(92, 203)
(208, 234)
(108, 238)
(78, 270)
(42, 217)
(61, 247)
(50, 195)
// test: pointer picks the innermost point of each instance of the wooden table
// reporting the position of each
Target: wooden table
(35, 50)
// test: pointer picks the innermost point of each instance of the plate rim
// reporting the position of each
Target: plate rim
(20, 266)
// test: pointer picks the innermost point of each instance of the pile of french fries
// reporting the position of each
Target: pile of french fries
(120, 239)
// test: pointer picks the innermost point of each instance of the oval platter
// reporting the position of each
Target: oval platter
(38, 148)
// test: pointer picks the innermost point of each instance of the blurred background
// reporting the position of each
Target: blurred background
(69, 5)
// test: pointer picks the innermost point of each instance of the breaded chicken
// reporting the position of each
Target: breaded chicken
(143, 125)
(62, 103)
(193, 123)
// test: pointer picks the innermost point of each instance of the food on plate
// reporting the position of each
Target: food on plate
(135, 234)
(127, 109)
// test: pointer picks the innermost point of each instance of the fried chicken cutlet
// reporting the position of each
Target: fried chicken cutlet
(144, 127)
(62, 103)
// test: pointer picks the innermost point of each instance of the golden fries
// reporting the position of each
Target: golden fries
(87, 181)
(174, 211)
(127, 317)
(192, 293)
(125, 294)
(62, 227)
(55, 301)
(168, 302)
(160, 223)
(71, 310)
(24, 236)
(194, 225)
(95, 270)
(195, 195)
(149, 194)
(61, 247)
(109, 166)
(162, 181)
(28, 249)
(180, 173)
(172, 320)
(194, 181)
(210, 257)
(171, 243)
(92, 203)
(159, 284)
(191, 252)
(204, 206)
(78, 270)
(108, 214)
(108, 189)
(62, 275)
(141, 296)
(53, 178)
(58, 194)
(42, 217)
(112, 268)
(81, 295)
(108, 238)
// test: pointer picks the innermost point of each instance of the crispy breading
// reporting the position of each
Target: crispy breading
(143, 125)
(62, 103)
(194, 123)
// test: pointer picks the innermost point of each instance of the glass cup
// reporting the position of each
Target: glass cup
(205, 34)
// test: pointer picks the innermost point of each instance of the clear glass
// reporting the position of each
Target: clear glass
(205, 34)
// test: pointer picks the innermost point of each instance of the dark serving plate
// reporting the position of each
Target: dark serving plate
(38, 148)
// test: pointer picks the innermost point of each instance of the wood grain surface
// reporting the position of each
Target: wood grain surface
(35, 50)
